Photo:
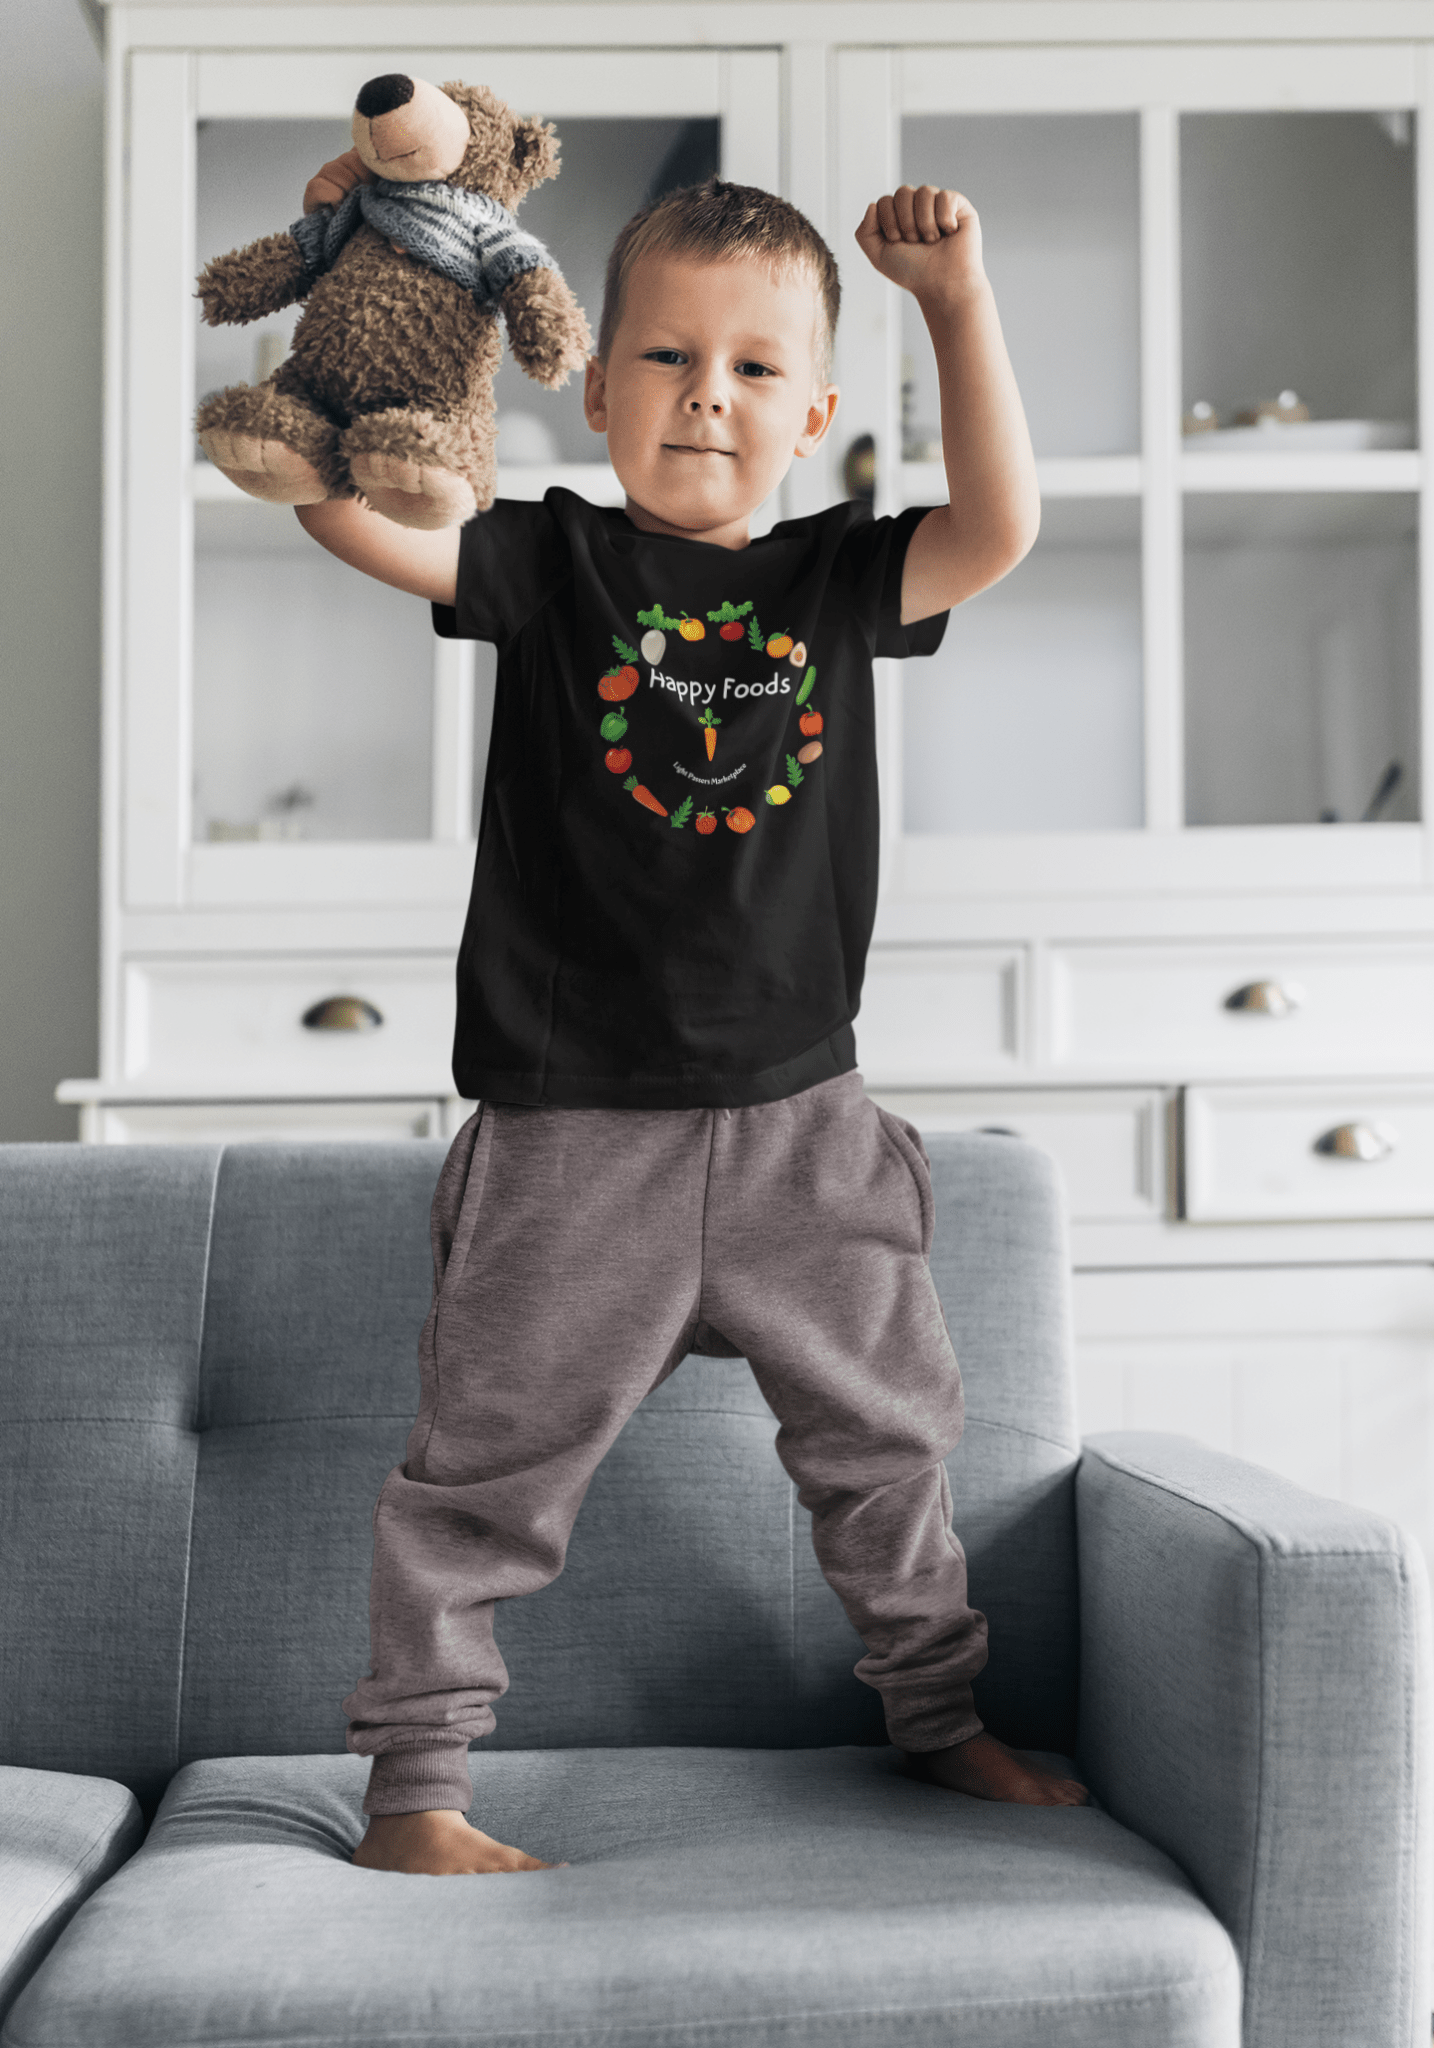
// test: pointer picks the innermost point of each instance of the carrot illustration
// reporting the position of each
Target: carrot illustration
(710, 725)
(644, 795)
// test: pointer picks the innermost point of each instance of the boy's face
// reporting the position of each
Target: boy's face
(710, 388)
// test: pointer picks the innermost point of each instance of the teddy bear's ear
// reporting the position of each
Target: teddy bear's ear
(535, 152)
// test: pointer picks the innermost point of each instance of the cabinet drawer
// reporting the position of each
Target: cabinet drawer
(239, 1023)
(1335, 1150)
(931, 1014)
(1108, 1143)
(1165, 1011)
(227, 1123)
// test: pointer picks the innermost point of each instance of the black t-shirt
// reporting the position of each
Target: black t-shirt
(677, 856)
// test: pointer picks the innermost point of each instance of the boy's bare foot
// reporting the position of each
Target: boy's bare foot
(439, 1843)
(986, 1769)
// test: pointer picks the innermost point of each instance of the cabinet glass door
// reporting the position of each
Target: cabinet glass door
(1030, 717)
(291, 730)
(1205, 260)
(1301, 629)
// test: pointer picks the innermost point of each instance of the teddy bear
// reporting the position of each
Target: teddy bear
(387, 391)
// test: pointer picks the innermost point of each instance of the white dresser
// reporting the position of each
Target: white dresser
(1158, 888)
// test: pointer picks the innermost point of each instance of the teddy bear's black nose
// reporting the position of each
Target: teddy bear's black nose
(382, 95)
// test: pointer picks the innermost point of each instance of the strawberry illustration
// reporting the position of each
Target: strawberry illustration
(645, 796)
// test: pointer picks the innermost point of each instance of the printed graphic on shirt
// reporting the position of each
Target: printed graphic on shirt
(735, 682)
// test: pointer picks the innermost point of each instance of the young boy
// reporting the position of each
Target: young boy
(674, 892)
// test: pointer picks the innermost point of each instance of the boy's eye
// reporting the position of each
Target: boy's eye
(755, 370)
(665, 355)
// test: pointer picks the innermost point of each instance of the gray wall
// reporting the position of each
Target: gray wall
(51, 109)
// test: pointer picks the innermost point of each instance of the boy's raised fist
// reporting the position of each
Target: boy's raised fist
(925, 239)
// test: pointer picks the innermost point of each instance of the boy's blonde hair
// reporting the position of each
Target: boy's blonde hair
(722, 222)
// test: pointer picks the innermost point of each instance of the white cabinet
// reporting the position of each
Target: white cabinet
(1157, 881)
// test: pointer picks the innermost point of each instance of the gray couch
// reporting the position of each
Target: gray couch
(209, 1365)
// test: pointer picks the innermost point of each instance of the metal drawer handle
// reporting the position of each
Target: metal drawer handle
(342, 1013)
(1267, 998)
(1357, 1141)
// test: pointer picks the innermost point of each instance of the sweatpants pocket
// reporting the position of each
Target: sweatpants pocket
(907, 1141)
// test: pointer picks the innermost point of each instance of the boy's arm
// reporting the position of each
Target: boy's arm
(423, 563)
(929, 242)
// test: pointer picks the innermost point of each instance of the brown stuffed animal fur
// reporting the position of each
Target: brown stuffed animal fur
(387, 392)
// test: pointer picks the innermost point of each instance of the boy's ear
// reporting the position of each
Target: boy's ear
(820, 414)
(595, 394)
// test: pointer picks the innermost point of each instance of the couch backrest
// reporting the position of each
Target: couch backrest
(208, 1363)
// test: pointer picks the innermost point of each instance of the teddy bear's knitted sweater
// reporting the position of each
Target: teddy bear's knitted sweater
(465, 236)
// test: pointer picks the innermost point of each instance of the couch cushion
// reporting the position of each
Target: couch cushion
(60, 1837)
(722, 1897)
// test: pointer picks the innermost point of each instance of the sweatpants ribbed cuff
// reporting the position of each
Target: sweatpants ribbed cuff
(420, 1780)
(933, 1727)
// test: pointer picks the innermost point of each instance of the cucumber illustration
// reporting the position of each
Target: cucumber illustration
(806, 688)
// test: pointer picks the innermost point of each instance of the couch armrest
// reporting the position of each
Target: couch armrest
(60, 1838)
(1255, 1700)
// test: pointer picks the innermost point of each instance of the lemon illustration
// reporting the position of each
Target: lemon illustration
(778, 795)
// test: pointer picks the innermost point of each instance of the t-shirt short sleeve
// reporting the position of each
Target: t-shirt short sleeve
(869, 566)
(511, 560)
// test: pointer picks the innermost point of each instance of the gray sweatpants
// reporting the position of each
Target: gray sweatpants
(578, 1253)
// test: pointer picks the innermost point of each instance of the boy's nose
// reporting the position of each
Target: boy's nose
(699, 405)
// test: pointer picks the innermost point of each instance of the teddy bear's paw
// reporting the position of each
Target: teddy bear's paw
(265, 469)
(412, 493)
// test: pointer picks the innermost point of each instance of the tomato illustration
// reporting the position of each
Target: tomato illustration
(811, 752)
(618, 759)
(810, 722)
(618, 683)
(706, 822)
(613, 726)
(733, 630)
(779, 644)
(692, 629)
(740, 820)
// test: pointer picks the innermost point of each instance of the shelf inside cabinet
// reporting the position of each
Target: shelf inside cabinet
(1374, 469)
(1059, 476)
(592, 480)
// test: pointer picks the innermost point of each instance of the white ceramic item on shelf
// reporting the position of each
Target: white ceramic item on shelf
(1311, 436)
